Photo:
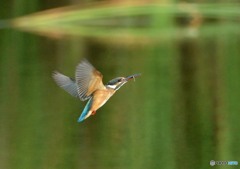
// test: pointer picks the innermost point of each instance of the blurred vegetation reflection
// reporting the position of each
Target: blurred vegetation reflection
(181, 113)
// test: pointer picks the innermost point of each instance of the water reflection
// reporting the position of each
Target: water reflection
(181, 113)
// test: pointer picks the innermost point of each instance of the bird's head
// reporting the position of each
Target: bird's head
(118, 82)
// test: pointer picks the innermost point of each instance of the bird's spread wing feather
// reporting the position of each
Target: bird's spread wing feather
(66, 83)
(88, 80)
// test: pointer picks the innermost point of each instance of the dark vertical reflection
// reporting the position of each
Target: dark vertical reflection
(201, 107)
(213, 63)
(189, 112)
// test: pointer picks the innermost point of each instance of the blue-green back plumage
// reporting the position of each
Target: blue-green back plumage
(85, 110)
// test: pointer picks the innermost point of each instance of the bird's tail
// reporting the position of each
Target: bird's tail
(86, 111)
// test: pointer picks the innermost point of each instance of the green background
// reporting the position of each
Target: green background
(181, 113)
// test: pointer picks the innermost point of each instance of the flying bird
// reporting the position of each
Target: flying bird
(88, 85)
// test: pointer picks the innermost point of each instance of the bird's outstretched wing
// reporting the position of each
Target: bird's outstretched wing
(66, 83)
(88, 80)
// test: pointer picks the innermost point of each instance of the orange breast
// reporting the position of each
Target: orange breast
(100, 97)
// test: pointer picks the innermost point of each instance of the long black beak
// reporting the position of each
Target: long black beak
(126, 79)
(132, 76)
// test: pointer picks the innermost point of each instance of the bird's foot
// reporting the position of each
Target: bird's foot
(93, 113)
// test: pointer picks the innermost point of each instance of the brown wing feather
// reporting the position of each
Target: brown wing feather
(95, 83)
(88, 80)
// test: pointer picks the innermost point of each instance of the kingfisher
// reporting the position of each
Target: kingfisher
(88, 85)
